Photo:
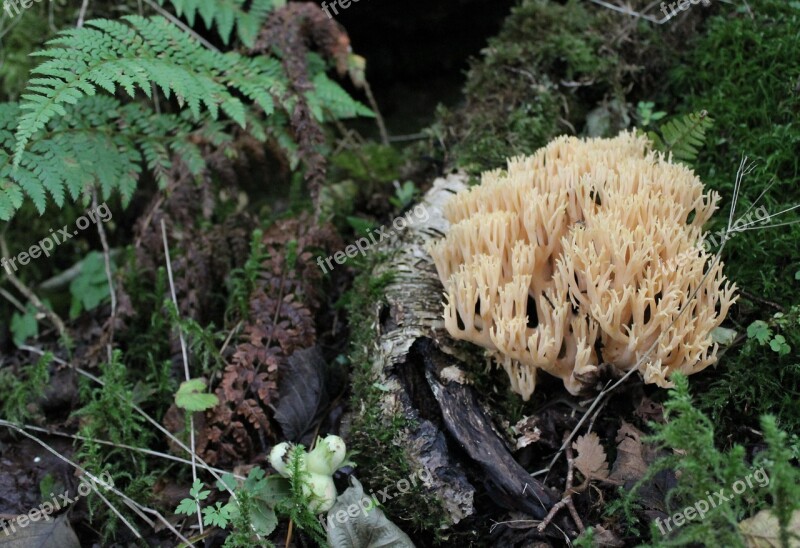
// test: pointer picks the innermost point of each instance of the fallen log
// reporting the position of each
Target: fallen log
(412, 358)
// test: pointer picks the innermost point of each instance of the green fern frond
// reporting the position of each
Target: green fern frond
(223, 14)
(98, 143)
(131, 54)
(329, 96)
(683, 136)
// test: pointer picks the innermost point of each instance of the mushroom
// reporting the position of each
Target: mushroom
(557, 263)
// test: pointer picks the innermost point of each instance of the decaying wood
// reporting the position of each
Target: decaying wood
(409, 356)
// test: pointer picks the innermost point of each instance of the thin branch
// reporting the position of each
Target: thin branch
(142, 450)
(185, 360)
(116, 512)
(30, 295)
(82, 14)
(97, 480)
(378, 118)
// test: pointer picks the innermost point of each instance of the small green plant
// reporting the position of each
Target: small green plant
(192, 396)
(762, 333)
(90, 287)
(404, 195)
(646, 115)
(25, 324)
(189, 506)
(688, 435)
(22, 390)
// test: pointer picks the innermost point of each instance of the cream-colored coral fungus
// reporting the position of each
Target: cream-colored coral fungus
(558, 263)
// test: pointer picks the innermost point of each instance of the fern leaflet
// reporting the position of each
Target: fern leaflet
(223, 14)
(683, 136)
(131, 55)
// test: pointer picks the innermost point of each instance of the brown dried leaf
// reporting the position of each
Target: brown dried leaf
(763, 531)
(591, 459)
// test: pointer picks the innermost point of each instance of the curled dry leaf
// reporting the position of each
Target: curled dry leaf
(591, 459)
(763, 531)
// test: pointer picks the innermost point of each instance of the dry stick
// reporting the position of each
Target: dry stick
(185, 361)
(149, 419)
(107, 255)
(149, 452)
(628, 11)
(117, 512)
(111, 488)
(82, 13)
(378, 117)
(566, 499)
(13, 300)
(30, 295)
(107, 258)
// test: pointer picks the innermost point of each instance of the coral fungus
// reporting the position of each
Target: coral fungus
(556, 263)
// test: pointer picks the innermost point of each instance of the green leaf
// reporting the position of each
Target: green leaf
(197, 490)
(187, 506)
(369, 528)
(759, 331)
(191, 397)
(218, 516)
(778, 344)
(684, 136)
(90, 287)
(24, 326)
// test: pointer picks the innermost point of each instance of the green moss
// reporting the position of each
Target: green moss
(549, 67)
(743, 70)
(376, 437)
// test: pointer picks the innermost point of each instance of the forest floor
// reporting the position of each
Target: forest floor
(214, 251)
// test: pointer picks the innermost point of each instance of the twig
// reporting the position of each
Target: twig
(82, 14)
(111, 488)
(142, 450)
(185, 361)
(378, 118)
(107, 256)
(13, 300)
(762, 300)
(30, 295)
(117, 512)
(628, 11)
(566, 500)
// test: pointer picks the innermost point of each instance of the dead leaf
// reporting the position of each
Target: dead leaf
(591, 459)
(605, 537)
(56, 533)
(763, 531)
(527, 431)
(648, 410)
(633, 459)
(306, 390)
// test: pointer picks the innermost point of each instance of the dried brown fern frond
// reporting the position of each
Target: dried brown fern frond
(280, 321)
